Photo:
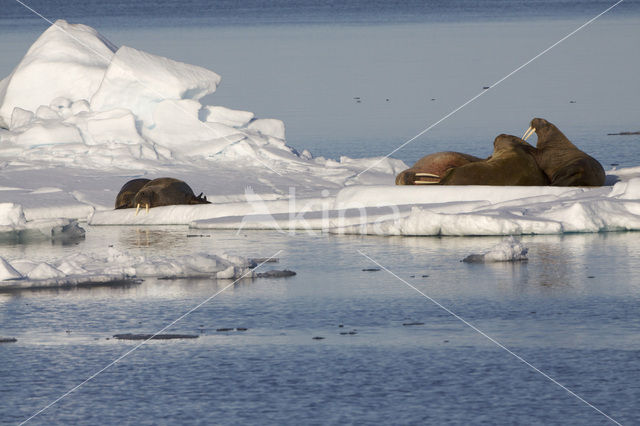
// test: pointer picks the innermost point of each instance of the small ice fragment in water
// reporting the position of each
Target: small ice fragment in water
(130, 336)
(276, 274)
(509, 250)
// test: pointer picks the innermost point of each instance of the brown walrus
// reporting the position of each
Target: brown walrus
(512, 163)
(563, 162)
(166, 192)
(429, 169)
(124, 200)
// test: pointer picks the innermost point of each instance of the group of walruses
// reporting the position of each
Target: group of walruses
(553, 161)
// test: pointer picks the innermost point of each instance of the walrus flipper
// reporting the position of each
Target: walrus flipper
(200, 200)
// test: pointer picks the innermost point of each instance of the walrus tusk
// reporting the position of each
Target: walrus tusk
(146, 207)
(426, 175)
(528, 133)
(424, 182)
(137, 209)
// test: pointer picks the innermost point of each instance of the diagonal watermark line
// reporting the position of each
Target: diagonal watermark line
(108, 60)
(490, 87)
(121, 357)
(497, 343)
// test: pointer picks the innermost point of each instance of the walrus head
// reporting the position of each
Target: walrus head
(541, 127)
(144, 197)
(549, 136)
(504, 140)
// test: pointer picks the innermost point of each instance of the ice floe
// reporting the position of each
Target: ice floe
(80, 116)
(118, 266)
(16, 228)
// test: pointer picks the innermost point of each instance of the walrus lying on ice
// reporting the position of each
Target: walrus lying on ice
(124, 200)
(431, 168)
(156, 193)
(512, 163)
(562, 161)
(554, 161)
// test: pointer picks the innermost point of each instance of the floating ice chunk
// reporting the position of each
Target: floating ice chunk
(20, 117)
(138, 81)
(44, 271)
(509, 250)
(13, 225)
(8, 272)
(45, 190)
(227, 116)
(73, 58)
(268, 127)
(227, 274)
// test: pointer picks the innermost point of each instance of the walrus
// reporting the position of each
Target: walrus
(563, 162)
(124, 200)
(512, 163)
(429, 169)
(166, 192)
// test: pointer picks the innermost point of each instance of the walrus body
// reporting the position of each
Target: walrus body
(166, 192)
(127, 193)
(563, 162)
(431, 168)
(512, 163)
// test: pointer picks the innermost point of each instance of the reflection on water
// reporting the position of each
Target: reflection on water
(145, 237)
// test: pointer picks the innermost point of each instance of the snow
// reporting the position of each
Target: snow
(74, 59)
(117, 266)
(138, 81)
(106, 114)
(228, 116)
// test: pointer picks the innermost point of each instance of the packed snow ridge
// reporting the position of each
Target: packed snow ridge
(80, 116)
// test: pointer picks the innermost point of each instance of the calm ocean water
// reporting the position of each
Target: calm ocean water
(571, 310)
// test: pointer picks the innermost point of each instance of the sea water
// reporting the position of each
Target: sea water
(571, 310)
(390, 352)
